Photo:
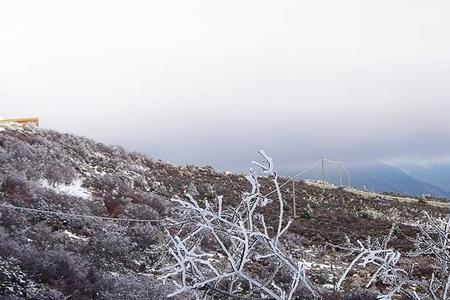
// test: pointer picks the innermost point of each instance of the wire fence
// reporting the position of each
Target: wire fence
(80, 216)
(134, 220)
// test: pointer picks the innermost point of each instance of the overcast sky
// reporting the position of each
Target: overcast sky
(210, 82)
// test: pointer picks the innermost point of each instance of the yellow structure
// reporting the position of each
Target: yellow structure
(22, 121)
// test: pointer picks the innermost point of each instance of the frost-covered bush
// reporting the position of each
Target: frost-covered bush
(111, 241)
(433, 241)
(307, 212)
(69, 272)
(351, 296)
(156, 202)
(145, 235)
(12, 278)
(242, 248)
(58, 174)
(142, 212)
(41, 292)
(8, 246)
(132, 287)
(13, 184)
(13, 220)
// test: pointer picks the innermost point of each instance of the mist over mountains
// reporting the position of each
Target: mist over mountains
(435, 174)
(380, 177)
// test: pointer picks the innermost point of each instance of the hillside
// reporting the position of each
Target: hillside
(117, 251)
(386, 178)
(435, 174)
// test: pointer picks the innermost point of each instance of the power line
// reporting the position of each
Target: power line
(81, 216)
(309, 169)
(343, 168)
(293, 177)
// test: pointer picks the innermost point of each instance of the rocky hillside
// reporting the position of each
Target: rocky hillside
(82, 220)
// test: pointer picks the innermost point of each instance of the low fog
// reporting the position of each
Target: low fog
(211, 82)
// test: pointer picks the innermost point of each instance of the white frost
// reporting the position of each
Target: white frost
(74, 189)
(313, 265)
(74, 236)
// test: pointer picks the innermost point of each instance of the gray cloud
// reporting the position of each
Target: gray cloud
(210, 82)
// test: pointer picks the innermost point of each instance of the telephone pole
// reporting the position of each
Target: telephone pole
(323, 173)
(294, 209)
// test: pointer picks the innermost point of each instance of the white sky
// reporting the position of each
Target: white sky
(210, 82)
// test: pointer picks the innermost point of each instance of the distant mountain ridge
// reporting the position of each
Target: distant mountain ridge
(435, 174)
(380, 177)
(385, 178)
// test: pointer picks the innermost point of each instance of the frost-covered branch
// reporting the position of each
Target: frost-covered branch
(433, 241)
(232, 250)
(384, 260)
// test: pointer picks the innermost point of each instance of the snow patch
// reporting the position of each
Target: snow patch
(9, 125)
(74, 236)
(74, 189)
(315, 266)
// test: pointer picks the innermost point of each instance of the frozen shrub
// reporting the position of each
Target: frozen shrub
(307, 212)
(246, 245)
(192, 190)
(145, 235)
(111, 241)
(157, 202)
(13, 220)
(115, 205)
(58, 174)
(352, 296)
(4, 156)
(432, 241)
(8, 246)
(422, 201)
(14, 184)
(12, 297)
(132, 287)
(69, 272)
(41, 292)
(42, 234)
(142, 212)
(12, 278)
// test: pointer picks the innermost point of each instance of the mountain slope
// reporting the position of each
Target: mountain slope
(435, 174)
(386, 178)
(116, 251)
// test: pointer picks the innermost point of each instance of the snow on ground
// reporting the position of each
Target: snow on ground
(74, 189)
(74, 236)
(317, 266)
(366, 194)
(9, 125)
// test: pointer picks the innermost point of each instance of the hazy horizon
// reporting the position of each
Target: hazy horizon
(210, 83)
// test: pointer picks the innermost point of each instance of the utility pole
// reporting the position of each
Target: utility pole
(294, 208)
(340, 175)
(349, 180)
(323, 173)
